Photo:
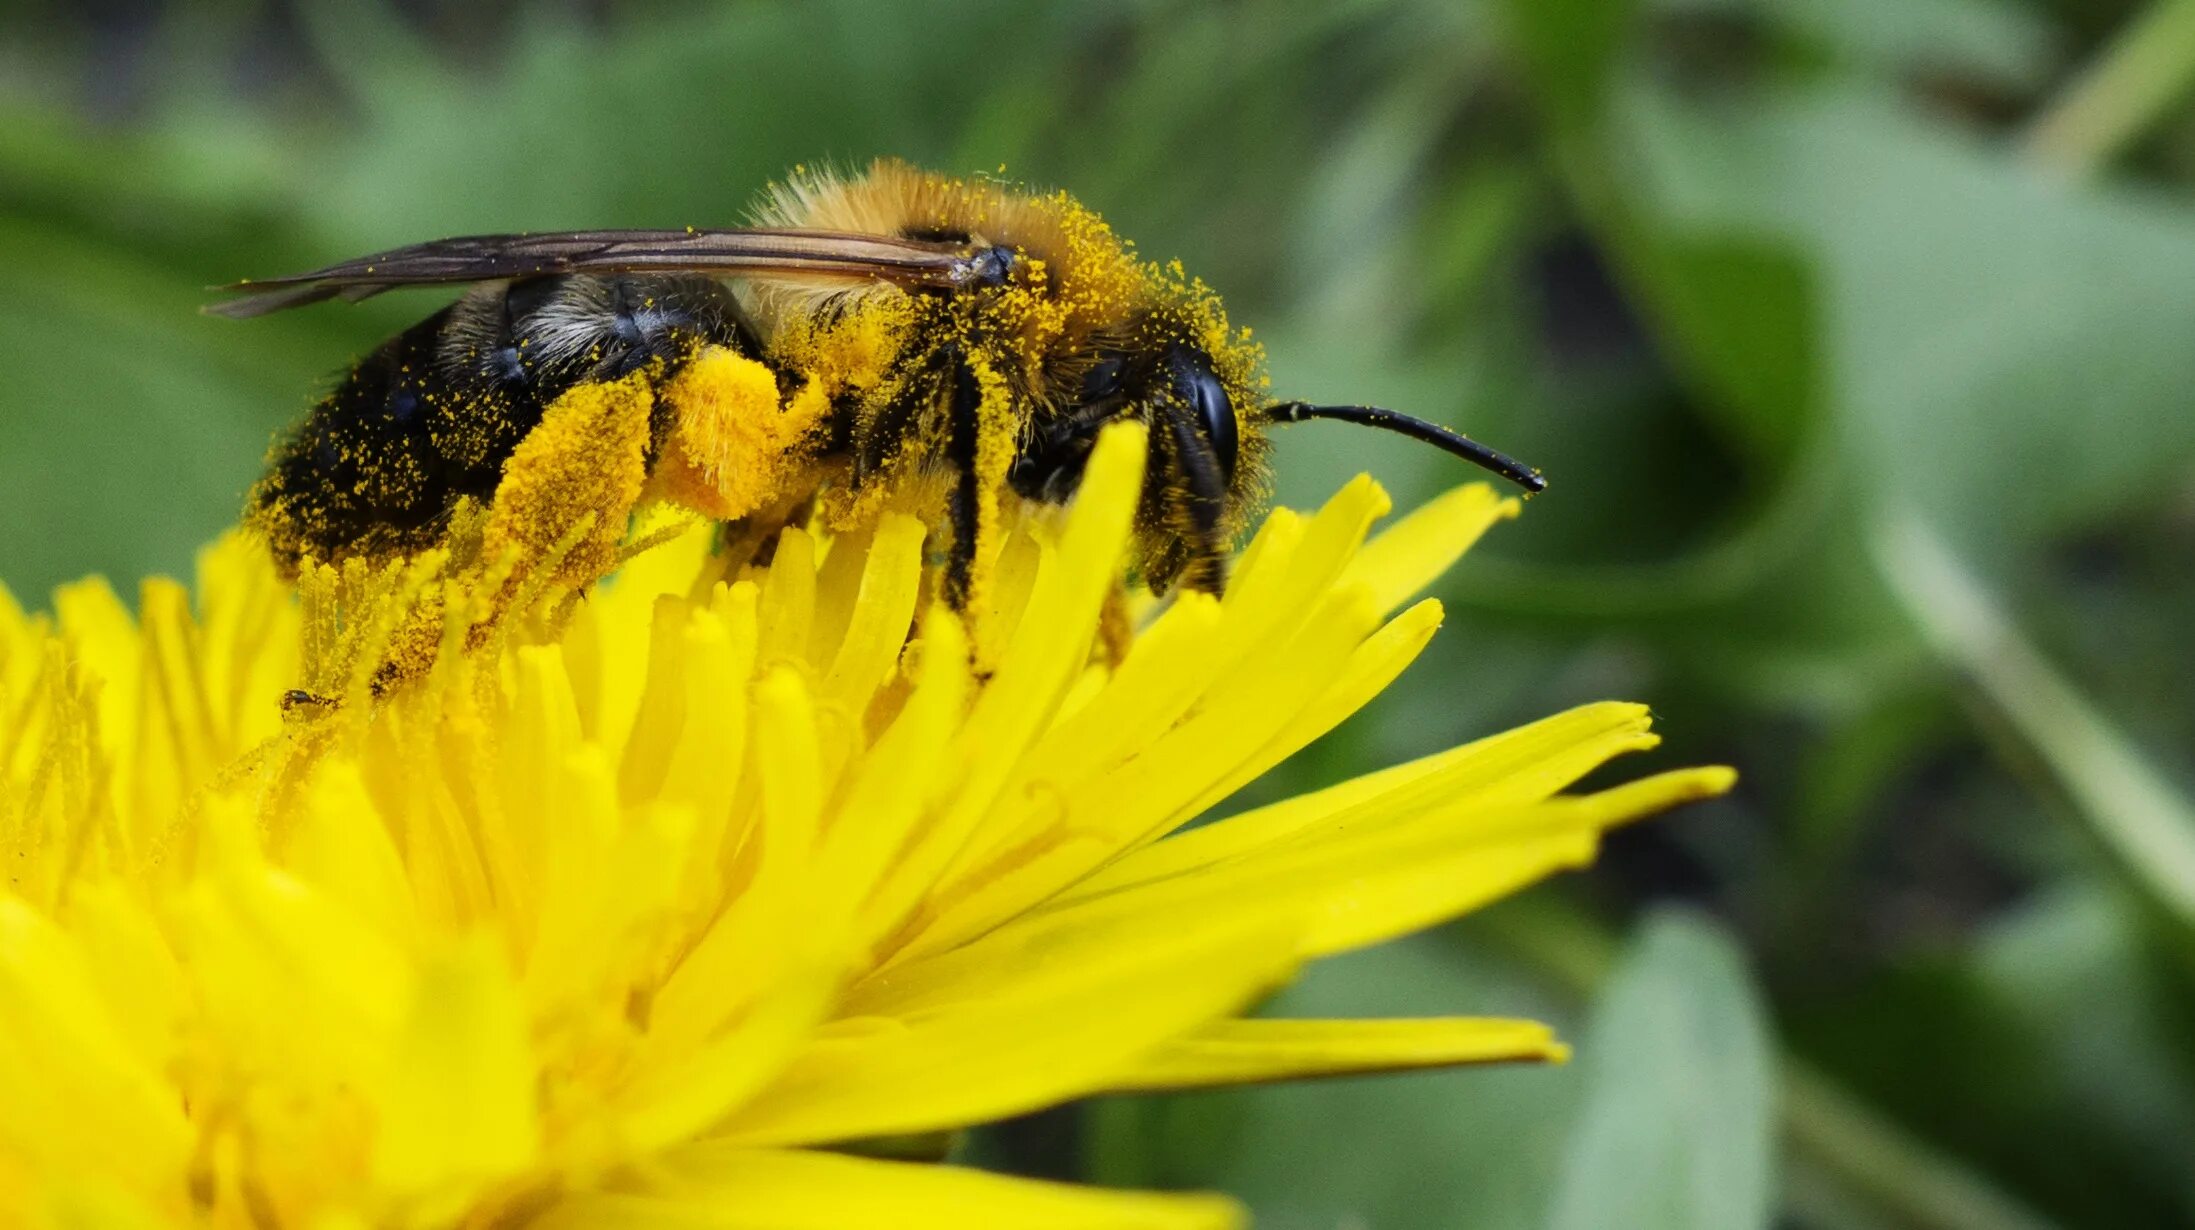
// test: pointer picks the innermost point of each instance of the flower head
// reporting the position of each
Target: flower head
(612, 909)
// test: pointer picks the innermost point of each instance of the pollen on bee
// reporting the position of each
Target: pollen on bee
(731, 440)
(585, 464)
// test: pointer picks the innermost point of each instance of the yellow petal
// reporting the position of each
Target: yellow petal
(654, 735)
(98, 627)
(718, 1188)
(458, 1100)
(1408, 555)
(1151, 795)
(609, 665)
(1355, 885)
(679, 1086)
(341, 846)
(250, 640)
(179, 743)
(1276, 586)
(1422, 891)
(1051, 639)
(760, 934)
(79, 1096)
(284, 972)
(1168, 668)
(890, 582)
(1370, 667)
(704, 774)
(1257, 1051)
(1318, 890)
(1049, 647)
(1013, 581)
(790, 766)
(1517, 766)
(1061, 1031)
(87, 1206)
(788, 599)
(901, 778)
(606, 885)
(131, 963)
(1262, 568)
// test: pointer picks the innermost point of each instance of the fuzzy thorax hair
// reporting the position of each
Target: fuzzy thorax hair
(1079, 291)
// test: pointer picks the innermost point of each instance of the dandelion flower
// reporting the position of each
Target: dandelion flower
(649, 913)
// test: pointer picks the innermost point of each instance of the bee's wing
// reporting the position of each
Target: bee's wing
(745, 252)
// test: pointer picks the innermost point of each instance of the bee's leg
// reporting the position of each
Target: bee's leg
(571, 484)
(979, 448)
(730, 447)
(964, 506)
(1199, 503)
(1116, 629)
(912, 382)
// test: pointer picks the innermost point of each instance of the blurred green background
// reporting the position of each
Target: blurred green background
(1858, 340)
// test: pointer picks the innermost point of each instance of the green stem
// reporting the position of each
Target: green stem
(1875, 1165)
(1882, 1163)
(2136, 817)
(2140, 74)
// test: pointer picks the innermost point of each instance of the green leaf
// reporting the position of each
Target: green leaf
(2000, 42)
(2075, 971)
(1742, 311)
(128, 437)
(1570, 48)
(2000, 345)
(1677, 1125)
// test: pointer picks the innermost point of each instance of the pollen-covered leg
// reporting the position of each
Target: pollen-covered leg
(554, 524)
(981, 449)
(1116, 626)
(580, 472)
(734, 446)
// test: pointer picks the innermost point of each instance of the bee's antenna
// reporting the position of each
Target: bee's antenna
(1417, 429)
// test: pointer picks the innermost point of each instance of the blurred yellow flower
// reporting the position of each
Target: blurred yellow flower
(616, 911)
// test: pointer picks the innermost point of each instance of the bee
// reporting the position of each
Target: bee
(889, 339)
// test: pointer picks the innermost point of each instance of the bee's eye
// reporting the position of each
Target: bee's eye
(1106, 379)
(1200, 387)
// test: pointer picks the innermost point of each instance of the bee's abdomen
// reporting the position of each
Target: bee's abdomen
(431, 417)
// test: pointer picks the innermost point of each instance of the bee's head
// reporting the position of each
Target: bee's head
(1173, 363)
(1194, 495)
(1207, 448)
